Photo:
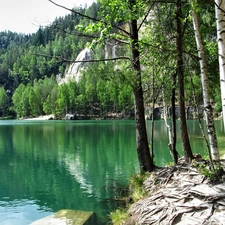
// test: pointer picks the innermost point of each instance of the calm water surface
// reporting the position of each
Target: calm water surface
(46, 166)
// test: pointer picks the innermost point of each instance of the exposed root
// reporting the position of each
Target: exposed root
(180, 195)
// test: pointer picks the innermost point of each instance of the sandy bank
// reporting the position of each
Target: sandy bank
(45, 117)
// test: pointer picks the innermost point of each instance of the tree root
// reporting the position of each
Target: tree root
(180, 195)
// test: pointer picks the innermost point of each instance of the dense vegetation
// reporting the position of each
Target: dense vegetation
(30, 65)
(28, 80)
(153, 49)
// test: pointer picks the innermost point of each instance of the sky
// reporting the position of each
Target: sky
(26, 16)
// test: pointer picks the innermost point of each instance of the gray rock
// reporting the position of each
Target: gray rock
(68, 217)
(74, 71)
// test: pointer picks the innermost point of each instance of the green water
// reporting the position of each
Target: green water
(47, 166)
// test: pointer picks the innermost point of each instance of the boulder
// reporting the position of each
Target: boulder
(70, 116)
(68, 217)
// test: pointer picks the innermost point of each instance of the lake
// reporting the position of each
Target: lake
(47, 166)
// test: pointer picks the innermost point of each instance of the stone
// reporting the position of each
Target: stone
(68, 217)
(75, 70)
(70, 116)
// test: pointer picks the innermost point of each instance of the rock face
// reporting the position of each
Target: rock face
(111, 49)
(74, 71)
(158, 112)
(68, 217)
(70, 116)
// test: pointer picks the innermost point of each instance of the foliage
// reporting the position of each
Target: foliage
(24, 62)
(4, 101)
(119, 216)
(36, 98)
(137, 192)
(211, 172)
(106, 87)
(19, 64)
(136, 185)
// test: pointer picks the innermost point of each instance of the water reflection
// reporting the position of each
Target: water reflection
(162, 155)
(20, 212)
(53, 165)
(63, 165)
(78, 171)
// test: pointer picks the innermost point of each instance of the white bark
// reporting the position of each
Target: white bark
(167, 125)
(220, 22)
(208, 110)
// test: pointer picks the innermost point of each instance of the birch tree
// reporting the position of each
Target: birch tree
(173, 151)
(208, 109)
(220, 22)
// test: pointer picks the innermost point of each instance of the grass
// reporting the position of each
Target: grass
(137, 192)
(119, 216)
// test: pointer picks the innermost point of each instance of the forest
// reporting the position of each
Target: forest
(165, 53)
(30, 65)
(28, 80)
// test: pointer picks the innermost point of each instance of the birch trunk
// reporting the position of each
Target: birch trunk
(173, 151)
(208, 109)
(173, 103)
(220, 22)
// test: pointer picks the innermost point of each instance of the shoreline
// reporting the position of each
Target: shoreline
(45, 117)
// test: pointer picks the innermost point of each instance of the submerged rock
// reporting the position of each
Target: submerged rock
(68, 217)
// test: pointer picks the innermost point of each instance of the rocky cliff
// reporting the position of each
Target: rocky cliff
(75, 69)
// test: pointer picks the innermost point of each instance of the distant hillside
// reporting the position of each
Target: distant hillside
(19, 62)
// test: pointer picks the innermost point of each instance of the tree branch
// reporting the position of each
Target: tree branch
(87, 35)
(80, 61)
(88, 17)
(75, 33)
(146, 15)
(218, 6)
